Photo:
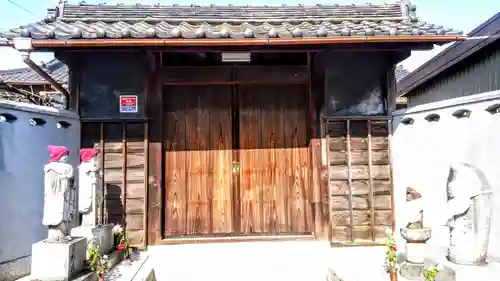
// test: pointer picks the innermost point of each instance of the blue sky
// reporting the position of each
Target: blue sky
(459, 14)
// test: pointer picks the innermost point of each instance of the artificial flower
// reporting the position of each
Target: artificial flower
(388, 231)
(117, 229)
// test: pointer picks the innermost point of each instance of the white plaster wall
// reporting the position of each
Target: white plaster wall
(23, 153)
(422, 152)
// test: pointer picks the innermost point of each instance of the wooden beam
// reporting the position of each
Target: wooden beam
(103, 183)
(146, 183)
(328, 185)
(242, 42)
(370, 179)
(154, 111)
(349, 177)
(222, 75)
(124, 171)
(233, 239)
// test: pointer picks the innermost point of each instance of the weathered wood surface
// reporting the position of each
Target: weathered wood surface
(359, 180)
(124, 202)
(359, 157)
(272, 74)
(154, 185)
(358, 143)
(196, 74)
(382, 217)
(360, 233)
(242, 74)
(114, 175)
(360, 202)
(237, 163)
(274, 157)
(339, 187)
(359, 172)
(198, 161)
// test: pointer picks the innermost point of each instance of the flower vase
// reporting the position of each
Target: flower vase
(101, 277)
(393, 275)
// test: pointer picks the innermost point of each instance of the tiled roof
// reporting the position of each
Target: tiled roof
(401, 72)
(93, 21)
(484, 35)
(26, 76)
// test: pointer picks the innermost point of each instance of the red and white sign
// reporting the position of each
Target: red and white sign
(128, 104)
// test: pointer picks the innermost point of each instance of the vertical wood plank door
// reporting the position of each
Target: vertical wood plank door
(274, 191)
(198, 161)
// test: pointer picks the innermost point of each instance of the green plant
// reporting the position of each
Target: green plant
(431, 272)
(391, 260)
(121, 241)
(96, 262)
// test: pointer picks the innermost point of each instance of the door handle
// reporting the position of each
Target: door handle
(236, 167)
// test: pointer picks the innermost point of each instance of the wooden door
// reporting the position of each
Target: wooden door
(274, 189)
(198, 160)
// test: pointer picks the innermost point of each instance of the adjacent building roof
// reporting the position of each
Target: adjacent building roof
(125, 21)
(401, 73)
(26, 76)
(482, 36)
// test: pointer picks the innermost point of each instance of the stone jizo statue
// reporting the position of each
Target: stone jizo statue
(413, 209)
(468, 213)
(59, 195)
(89, 191)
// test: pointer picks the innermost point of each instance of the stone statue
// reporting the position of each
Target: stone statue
(89, 199)
(59, 195)
(469, 211)
(89, 191)
(414, 209)
(415, 234)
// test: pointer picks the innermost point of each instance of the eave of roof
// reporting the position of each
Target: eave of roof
(482, 36)
(230, 25)
(26, 76)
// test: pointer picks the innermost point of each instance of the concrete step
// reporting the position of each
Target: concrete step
(268, 261)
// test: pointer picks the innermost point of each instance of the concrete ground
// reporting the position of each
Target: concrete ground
(290, 261)
(273, 261)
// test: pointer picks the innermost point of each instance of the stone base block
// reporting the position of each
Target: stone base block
(412, 271)
(57, 261)
(114, 258)
(102, 235)
(415, 252)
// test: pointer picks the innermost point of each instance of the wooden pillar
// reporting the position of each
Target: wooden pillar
(154, 102)
(320, 223)
(392, 95)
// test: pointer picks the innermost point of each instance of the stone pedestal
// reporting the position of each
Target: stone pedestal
(57, 261)
(415, 252)
(412, 271)
(101, 234)
(413, 267)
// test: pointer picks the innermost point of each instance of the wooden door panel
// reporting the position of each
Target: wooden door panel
(198, 161)
(273, 151)
(274, 160)
(220, 167)
(175, 162)
(198, 182)
(250, 161)
(297, 162)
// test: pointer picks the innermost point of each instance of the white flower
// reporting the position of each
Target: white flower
(388, 231)
(117, 229)
(439, 267)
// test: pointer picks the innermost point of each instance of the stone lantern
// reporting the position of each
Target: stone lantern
(416, 238)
